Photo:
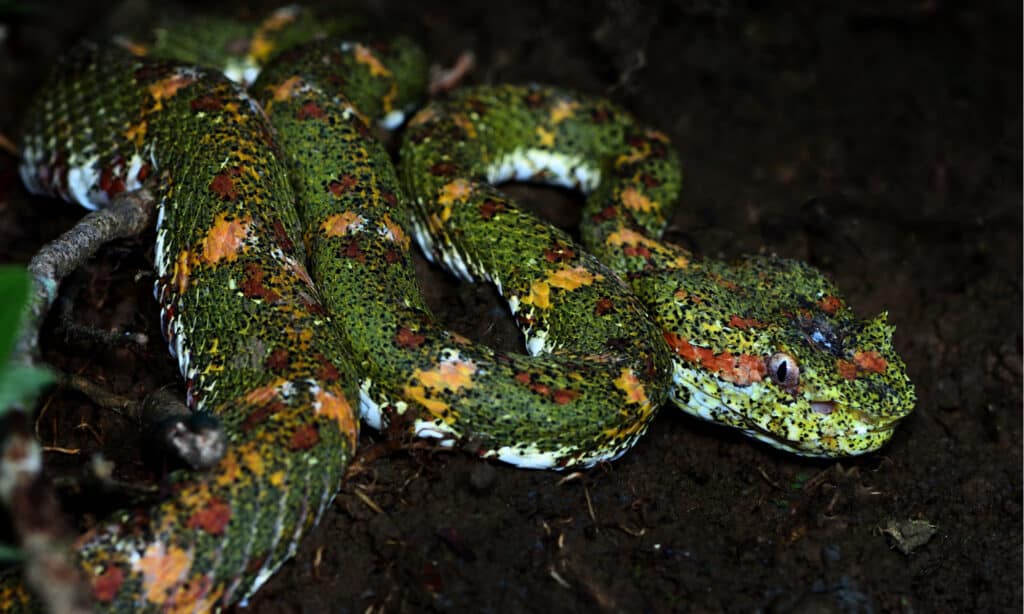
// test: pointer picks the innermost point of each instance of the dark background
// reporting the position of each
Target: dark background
(880, 141)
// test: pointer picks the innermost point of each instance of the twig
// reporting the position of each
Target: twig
(45, 538)
(128, 215)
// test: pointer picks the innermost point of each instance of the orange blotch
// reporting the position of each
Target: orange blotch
(452, 192)
(831, 304)
(168, 87)
(406, 338)
(366, 57)
(423, 117)
(846, 369)
(740, 369)
(213, 518)
(286, 89)
(394, 232)
(630, 384)
(336, 406)
(450, 375)
(634, 200)
(570, 279)
(738, 322)
(195, 596)
(162, 569)
(341, 224)
(870, 361)
(225, 238)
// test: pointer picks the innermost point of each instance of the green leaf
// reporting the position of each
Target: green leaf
(21, 384)
(14, 288)
(10, 554)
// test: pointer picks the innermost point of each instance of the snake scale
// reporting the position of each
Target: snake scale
(287, 293)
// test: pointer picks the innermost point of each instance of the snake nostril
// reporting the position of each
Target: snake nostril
(823, 407)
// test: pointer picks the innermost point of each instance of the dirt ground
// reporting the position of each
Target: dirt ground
(880, 141)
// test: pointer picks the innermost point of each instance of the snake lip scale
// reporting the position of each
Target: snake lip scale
(288, 296)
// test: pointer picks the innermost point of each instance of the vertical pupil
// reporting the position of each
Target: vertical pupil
(781, 372)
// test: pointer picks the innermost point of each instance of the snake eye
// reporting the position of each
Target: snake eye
(783, 370)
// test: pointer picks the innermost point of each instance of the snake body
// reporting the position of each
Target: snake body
(284, 355)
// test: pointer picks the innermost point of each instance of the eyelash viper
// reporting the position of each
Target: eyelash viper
(282, 356)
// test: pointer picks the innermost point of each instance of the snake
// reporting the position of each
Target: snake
(288, 297)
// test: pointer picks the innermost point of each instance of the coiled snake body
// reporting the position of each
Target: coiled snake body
(286, 355)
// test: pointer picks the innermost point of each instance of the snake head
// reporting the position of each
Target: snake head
(769, 346)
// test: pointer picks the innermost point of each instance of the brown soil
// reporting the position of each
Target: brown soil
(879, 141)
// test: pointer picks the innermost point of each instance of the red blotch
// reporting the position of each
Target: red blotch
(389, 197)
(406, 338)
(600, 116)
(111, 183)
(278, 360)
(603, 306)
(523, 377)
(740, 369)
(106, 585)
(534, 100)
(559, 254)
(608, 213)
(281, 237)
(144, 171)
(208, 102)
(260, 414)
(213, 518)
(489, 208)
(252, 285)
(224, 186)
(351, 250)
(738, 322)
(309, 110)
(392, 256)
(564, 396)
(636, 250)
(304, 438)
(342, 184)
(650, 181)
(830, 304)
(443, 169)
(327, 372)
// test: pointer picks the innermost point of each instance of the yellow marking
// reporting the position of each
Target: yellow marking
(423, 116)
(546, 137)
(466, 124)
(366, 57)
(563, 279)
(450, 375)
(563, 110)
(457, 190)
(165, 89)
(182, 270)
(277, 478)
(634, 155)
(629, 383)
(136, 133)
(341, 224)
(436, 407)
(254, 461)
(633, 199)
(570, 279)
